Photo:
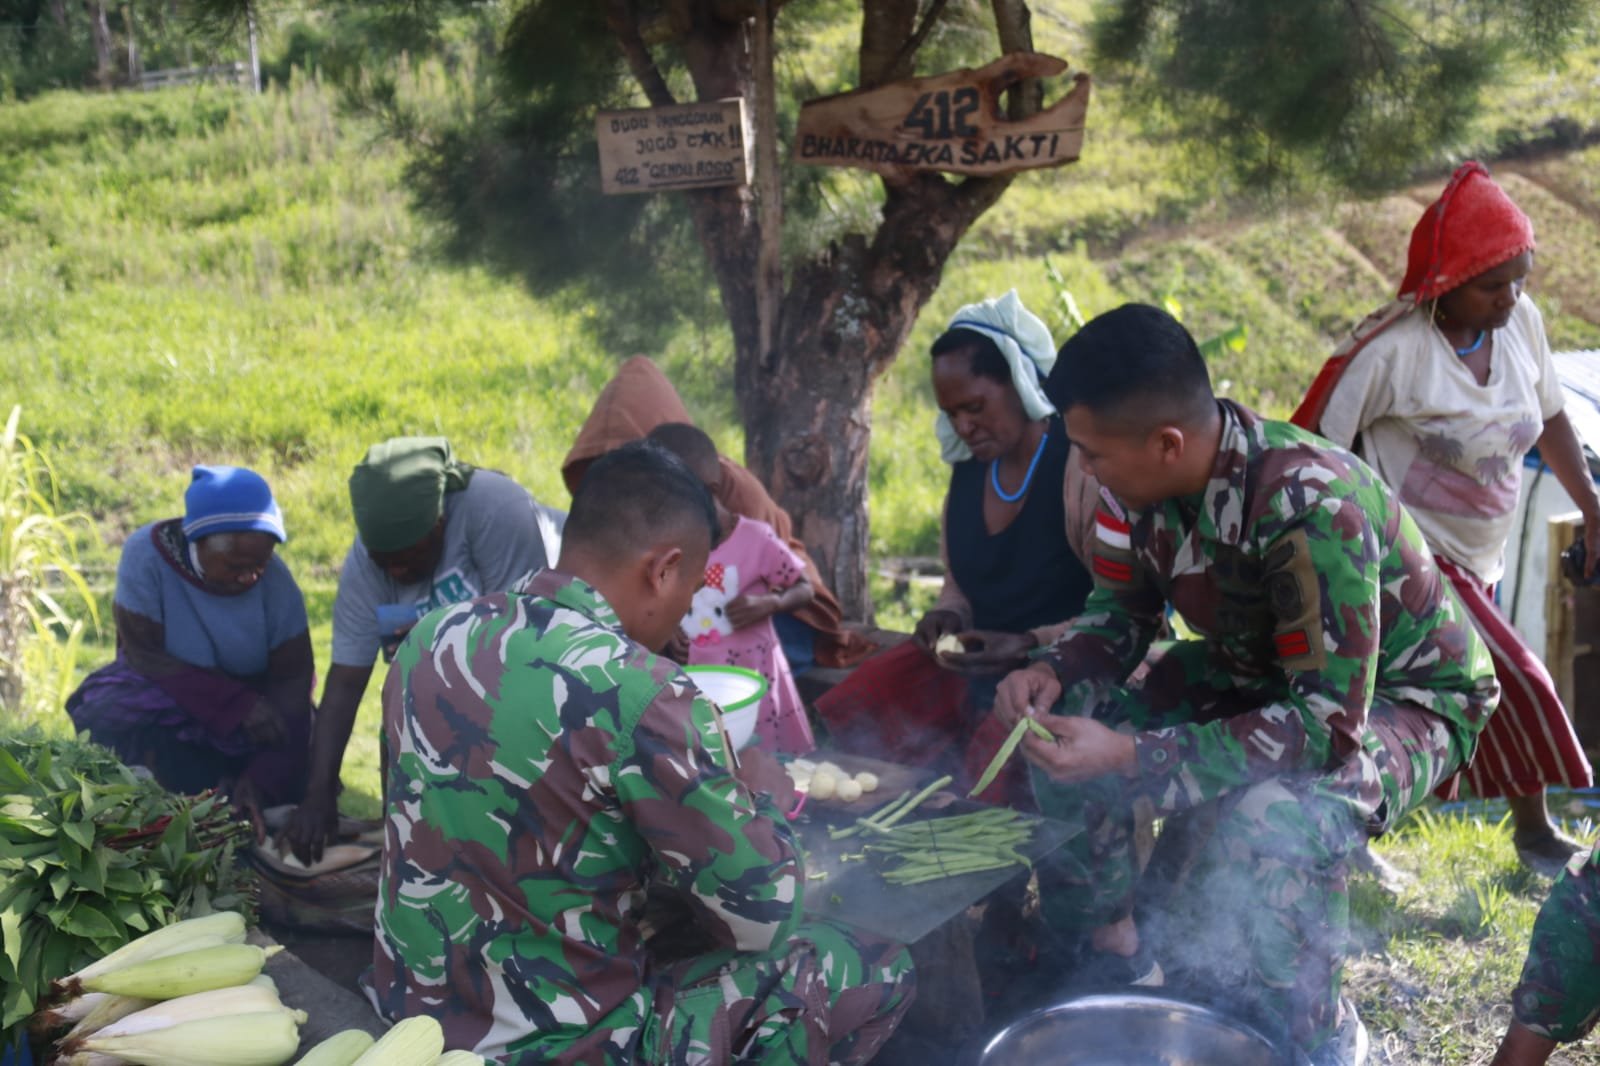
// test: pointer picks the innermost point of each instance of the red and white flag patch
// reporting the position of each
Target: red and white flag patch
(1112, 531)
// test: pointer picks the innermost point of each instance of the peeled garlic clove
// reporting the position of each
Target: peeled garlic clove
(868, 781)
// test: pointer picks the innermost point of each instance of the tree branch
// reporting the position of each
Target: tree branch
(624, 26)
(905, 61)
(1014, 24)
(886, 25)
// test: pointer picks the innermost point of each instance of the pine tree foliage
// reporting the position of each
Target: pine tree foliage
(1364, 92)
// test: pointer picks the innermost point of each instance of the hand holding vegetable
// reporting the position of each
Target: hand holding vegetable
(987, 651)
(1034, 686)
(935, 624)
(1083, 749)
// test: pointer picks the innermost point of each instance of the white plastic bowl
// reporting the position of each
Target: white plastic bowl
(738, 692)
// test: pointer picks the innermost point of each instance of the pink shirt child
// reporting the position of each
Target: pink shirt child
(751, 559)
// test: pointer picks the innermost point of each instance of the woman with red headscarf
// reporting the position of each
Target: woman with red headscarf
(1444, 391)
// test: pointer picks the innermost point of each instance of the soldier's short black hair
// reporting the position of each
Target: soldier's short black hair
(693, 446)
(1136, 364)
(629, 498)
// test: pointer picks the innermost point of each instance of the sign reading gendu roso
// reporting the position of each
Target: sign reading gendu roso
(683, 146)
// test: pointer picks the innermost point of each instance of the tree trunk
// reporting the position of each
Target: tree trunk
(808, 415)
(100, 32)
(255, 52)
(58, 13)
(806, 400)
(133, 44)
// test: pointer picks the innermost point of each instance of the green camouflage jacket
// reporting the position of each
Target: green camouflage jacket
(542, 769)
(1311, 585)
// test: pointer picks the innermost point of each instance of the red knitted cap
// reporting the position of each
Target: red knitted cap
(1471, 228)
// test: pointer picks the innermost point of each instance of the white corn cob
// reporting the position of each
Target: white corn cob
(412, 1042)
(340, 1049)
(180, 975)
(107, 1009)
(238, 999)
(261, 1038)
(459, 1058)
(228, 925)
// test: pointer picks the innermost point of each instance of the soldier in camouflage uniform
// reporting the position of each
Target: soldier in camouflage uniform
(1558, 999)
(545, 767)
(1334, 681)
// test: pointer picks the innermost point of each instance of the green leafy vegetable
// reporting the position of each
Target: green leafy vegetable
(92, 855)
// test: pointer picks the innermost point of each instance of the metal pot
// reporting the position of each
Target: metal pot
(1126, 1029)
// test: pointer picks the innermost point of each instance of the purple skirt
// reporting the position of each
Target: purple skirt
(194, 745)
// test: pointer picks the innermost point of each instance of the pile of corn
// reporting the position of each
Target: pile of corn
(193, 994)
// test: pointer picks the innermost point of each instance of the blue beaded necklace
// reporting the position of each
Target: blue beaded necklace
(1474, 346)
(1027, 479)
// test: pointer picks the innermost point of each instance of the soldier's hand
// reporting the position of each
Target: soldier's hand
(1034, 687)
(1083, 749)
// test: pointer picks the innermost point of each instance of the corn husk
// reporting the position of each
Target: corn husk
(237, 999)
(412, 1042)
(262, 1038)
(172, 976)
(228, 925)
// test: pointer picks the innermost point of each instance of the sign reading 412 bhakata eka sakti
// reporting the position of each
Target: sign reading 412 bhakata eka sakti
(949, 122)
(683, 146)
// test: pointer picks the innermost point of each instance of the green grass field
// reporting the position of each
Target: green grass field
(202, 276)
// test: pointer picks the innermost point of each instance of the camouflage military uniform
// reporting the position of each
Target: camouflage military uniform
(542, 770)
(1559, 995)
(1335, 682)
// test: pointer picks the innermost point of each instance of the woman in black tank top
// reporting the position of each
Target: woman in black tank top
(1005, 518)
(1011, 570)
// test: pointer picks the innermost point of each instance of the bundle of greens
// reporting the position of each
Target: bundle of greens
(92, 856)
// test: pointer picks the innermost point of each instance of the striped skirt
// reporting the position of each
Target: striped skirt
(1529, 742)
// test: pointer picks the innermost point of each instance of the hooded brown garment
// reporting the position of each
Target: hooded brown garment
(640, 398)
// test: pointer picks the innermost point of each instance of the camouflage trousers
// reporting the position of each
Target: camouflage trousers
(1559, 994)
(833, 994)
(1268, 891)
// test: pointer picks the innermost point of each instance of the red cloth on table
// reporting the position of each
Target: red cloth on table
(903, 707)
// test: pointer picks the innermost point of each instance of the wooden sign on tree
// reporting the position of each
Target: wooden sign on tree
(949, 122)
(684, 146)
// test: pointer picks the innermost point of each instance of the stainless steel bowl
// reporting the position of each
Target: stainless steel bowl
(1130, 1030)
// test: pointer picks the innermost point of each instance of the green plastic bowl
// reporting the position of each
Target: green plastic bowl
(738, 692)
